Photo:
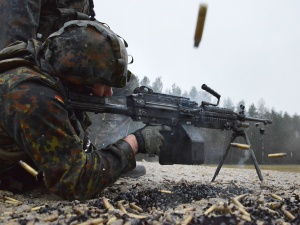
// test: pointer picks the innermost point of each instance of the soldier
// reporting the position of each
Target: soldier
(36, 121)
(22, 20)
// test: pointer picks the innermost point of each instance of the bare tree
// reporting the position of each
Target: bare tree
(193, 93)
(252, 110)
(227, 103)
(261, 108)
(175, 90)
(145, 82)
(157, 85)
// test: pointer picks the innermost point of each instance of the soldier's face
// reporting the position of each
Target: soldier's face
(102, 90)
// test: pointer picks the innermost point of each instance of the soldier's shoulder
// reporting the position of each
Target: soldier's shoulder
(13, 77)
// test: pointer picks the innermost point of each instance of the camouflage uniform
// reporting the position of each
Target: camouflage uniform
(36, 121)
(21, 20)
(43, 17)
(55, 13)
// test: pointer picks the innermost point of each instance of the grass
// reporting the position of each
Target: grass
(281, 168)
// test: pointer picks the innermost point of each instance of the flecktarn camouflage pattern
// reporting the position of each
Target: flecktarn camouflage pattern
(90, 54)
(55, 13)
(21, 20)
(36, 116)
(53, 140)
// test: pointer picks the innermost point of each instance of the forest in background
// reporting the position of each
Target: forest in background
(282, 136)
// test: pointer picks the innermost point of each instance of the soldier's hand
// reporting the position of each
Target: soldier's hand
(150, 139)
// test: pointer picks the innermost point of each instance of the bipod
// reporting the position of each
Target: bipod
(235, 134)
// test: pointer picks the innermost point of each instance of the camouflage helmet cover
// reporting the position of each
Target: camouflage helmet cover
(87, 52)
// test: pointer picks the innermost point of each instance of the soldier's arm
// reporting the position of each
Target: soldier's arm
(131, 140)
(39, 123)
(19, 20)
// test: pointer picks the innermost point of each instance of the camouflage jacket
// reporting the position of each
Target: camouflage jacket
(35, 120)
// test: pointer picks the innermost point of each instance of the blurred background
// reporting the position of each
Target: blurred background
(249, 54)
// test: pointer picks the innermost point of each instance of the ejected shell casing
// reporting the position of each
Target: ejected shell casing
(200, 24)
(241, 146)
(276, 155)
(165, 191)
(28, 168)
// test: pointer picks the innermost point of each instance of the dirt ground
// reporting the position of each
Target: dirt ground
(175, 194)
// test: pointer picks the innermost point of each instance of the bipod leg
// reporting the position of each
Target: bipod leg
(245, 136)
(233, 137)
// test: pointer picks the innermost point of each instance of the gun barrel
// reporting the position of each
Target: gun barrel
(95, 104)
(100, 108)
(116, 109)
(265, 121)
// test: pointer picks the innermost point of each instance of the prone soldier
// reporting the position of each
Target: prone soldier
(22, 20)
(37, 122)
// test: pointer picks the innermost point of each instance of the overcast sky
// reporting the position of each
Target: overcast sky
(250, 49)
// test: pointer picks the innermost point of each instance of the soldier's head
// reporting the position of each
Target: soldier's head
(85, 53)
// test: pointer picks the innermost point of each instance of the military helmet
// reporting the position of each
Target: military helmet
(87, 52)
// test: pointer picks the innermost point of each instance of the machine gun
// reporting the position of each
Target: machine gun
(184, 144)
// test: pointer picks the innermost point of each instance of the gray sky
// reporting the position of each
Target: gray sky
(249, 50)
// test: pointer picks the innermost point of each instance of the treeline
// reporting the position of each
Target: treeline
(282, 136)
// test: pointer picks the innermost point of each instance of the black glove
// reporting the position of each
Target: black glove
(149, 138)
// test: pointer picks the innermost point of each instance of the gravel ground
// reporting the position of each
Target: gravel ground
(177, 194)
